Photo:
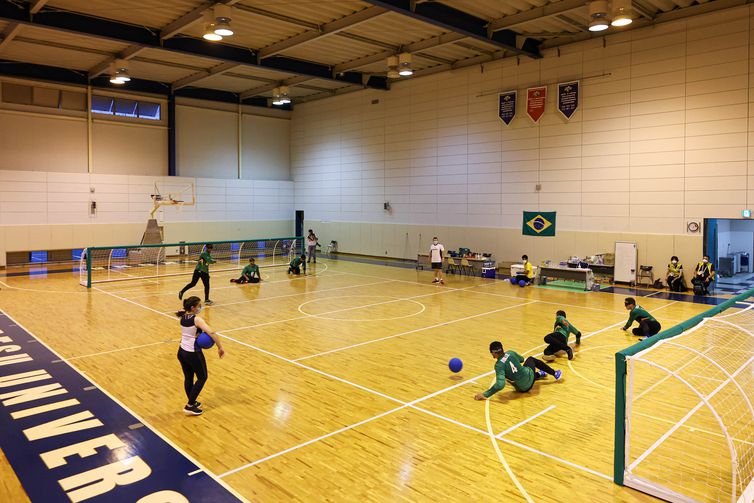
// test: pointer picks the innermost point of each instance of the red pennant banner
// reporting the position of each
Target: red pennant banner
(535, 102)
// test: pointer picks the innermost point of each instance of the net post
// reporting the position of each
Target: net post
(88, 267)
(619, 451)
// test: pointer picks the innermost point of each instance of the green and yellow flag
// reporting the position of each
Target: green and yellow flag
(539, 223)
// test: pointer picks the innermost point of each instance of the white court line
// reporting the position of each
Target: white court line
(688, 416)
(397, 299)
(182, 279)
(650, 295)
(371, 341)
(121, 349)
(515, 426)
(403, 404)
(292, 295)
(134, 414)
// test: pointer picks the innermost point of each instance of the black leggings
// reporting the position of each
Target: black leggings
(294, 270)
(557, 342)
(193, 363)
(536, 364)
(247, 279)
(647, 328)
(675, 283)
(195, 279)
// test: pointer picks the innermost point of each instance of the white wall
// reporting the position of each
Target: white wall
(207, 144)
(663, 135)
(266, 148)
(42, 142)
(48, 210)
(129, 149)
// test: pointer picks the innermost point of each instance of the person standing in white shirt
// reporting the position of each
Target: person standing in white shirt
(311, 246)
(436, 252)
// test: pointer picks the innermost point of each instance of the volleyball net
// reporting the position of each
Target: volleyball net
(684, 414)
(102, 264)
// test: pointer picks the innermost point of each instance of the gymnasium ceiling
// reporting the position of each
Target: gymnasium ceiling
(318, 48)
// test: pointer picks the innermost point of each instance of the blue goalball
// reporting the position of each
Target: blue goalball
(513, 281)
(522, 283)
(205, 341)
(455, 365)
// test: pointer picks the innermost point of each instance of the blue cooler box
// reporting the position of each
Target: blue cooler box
(488, 272)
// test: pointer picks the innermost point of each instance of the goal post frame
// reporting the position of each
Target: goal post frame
(298, 240)
(619, 450)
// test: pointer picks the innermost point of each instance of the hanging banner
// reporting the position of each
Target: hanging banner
(568, 98)
(539, 223)
(535, 102)
(507, 106)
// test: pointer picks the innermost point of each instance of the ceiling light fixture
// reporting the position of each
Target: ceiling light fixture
(284, 98)
(622, 13)
(598, 14)
(404, 64)
(222, 19)
(392, 67)
(209, 28)
(120, 72)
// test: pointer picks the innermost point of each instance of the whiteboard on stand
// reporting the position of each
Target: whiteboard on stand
(626, 259)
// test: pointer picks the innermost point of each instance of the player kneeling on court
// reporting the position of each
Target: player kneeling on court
(648, 325)
(250, 274)
(296, 265)
(512, 367)
(558, 340)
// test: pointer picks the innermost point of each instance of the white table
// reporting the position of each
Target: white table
(568, 273)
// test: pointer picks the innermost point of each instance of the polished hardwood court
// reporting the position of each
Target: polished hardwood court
(335, 385)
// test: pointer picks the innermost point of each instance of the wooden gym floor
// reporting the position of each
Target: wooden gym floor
(335, 385)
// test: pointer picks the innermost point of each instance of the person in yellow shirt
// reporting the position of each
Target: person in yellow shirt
(675, 275)
(704, 274)
(527, 275)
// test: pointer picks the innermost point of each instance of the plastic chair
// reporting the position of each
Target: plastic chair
(466, 266)
(452, 266)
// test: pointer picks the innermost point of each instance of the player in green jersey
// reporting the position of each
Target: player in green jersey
(297, 264)
(201, 272)
(558, 340)
(250, 274)
(648, 325)
(511, 366)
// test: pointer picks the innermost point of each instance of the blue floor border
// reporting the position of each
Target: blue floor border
(68, 440)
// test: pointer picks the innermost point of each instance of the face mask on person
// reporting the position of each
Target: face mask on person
(704, 261)
(674, 262)
(435, 242)
(525, 261)
(199, 309)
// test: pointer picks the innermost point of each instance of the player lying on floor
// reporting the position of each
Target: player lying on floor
(511, 366)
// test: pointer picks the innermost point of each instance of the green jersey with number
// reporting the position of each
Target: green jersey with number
(205, 259)
(565, 328)
(510, 367)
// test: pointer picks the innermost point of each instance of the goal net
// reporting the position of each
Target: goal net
(686, 430)
(101, 264)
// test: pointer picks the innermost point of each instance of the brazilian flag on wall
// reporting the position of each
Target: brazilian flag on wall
(539, 223)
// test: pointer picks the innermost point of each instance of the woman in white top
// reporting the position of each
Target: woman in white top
(190, 354)
(311, 246)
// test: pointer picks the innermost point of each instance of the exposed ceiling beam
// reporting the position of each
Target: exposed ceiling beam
(567, 20)
(322, 31)
(12, 29)
(128, 53)
(9, 33)
(643, 10)
(193, 79)
(430, 43)
(190, 18)
(139, 38)
(449, 18)
(538, 13)
(269, 87)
